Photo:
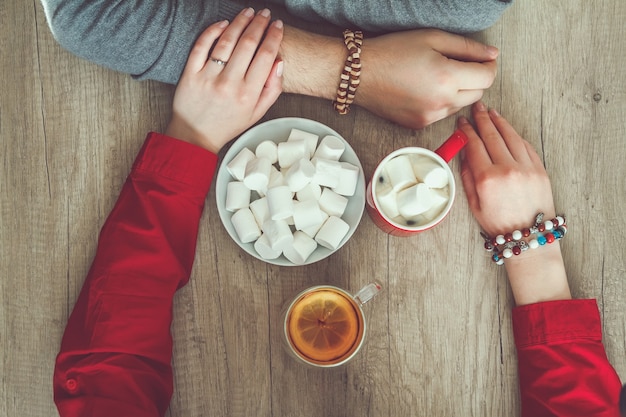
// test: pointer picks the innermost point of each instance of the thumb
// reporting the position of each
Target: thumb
(462, 48)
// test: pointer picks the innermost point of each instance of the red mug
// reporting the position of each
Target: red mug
(399, 226)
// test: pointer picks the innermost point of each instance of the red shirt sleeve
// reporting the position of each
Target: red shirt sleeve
(115, 357)
(563, 368)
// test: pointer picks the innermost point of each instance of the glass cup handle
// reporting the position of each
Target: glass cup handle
(367, 293)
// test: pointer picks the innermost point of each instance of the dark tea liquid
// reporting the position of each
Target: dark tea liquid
(325, 326)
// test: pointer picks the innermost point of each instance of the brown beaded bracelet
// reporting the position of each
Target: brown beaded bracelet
(351, 72)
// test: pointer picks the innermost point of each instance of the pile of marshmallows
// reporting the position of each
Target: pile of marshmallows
(412, 189)
(303, 191)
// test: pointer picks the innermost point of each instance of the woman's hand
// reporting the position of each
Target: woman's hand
(504, 179)
(231, 79)
(506, 186)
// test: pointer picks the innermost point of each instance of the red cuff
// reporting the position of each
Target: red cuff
(556, 321)
(176, 160)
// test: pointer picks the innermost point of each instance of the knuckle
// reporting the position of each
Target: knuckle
(248, 41)
(468, 43)
(226, 42)
(484, 182)
(265, 54)
(434, 34)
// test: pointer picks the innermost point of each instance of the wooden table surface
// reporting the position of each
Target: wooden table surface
(440, 340)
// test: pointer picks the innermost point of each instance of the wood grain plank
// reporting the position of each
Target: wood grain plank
(439, 335)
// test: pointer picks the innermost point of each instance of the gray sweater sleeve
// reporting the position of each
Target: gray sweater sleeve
(459, 16)
(149, 39)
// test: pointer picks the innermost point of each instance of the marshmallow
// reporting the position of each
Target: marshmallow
(333, 203)
(429, 172)
(261, 210)
(348, 179)
(280, 202)
(278, 234)
(300, 249)
(386, 198)
(310, 192)
(312, 231)
(264, 249)
(306, 214)
(292, 151)
(331, 148)
(267, 149)
(400, 172)
(257, 175)
(299, 174)
(276, 178)
(332, 232)
(414, 200)
(309, 138)
(440, 198)
(237, 196)
(237, 166)
(245, 225)
(326, 172)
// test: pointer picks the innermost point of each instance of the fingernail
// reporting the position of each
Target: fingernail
(222, 24)
(249, 12)
(462, 120)
(494, 112)
(480, 106)
(279, 69)
(265, 12)
(278, 24)
(493, 51)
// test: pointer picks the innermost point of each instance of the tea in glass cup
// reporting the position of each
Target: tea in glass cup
(324, 326)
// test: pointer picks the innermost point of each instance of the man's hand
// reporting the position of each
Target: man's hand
(418, 77)
(413, 78)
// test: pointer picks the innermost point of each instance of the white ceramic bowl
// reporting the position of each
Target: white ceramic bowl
(278, 130)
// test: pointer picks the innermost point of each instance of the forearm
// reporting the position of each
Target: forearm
(116, 349)
(538, 275)
(150, 40)
(313, 63)
(391, 16)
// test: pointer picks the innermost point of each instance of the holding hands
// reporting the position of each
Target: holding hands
(231, 79)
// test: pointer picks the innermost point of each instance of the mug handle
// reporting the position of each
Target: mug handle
(452, 145)
(367, 293)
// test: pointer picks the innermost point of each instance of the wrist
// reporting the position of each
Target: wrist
(538, 275)
(311, 71)
(181, 131)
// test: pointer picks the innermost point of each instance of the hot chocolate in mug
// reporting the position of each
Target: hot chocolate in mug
(412, 189)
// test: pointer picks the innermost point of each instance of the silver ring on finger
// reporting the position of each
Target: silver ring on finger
(218, 61)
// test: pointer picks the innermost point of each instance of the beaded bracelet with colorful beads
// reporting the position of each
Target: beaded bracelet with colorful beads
(512, 244)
